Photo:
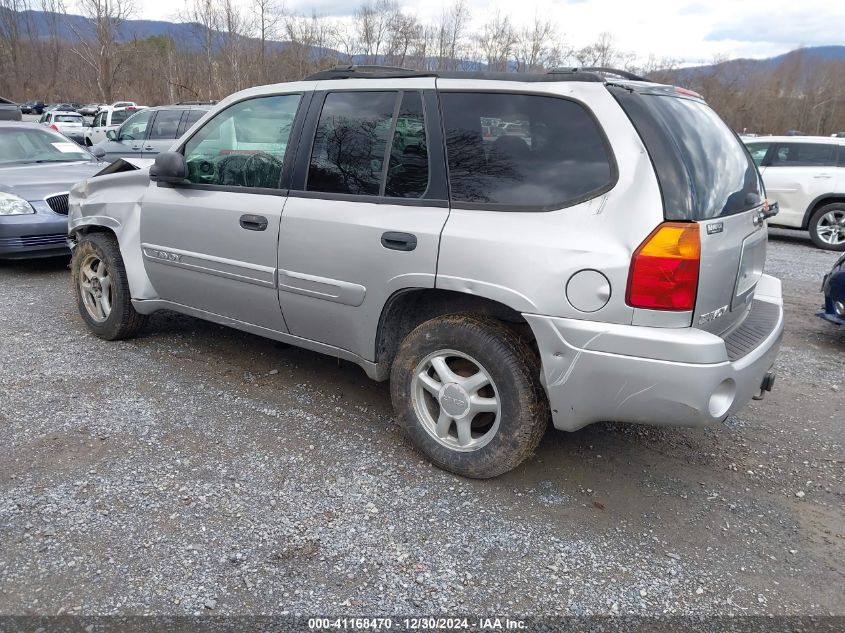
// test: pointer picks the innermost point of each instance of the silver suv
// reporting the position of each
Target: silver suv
(505, 249)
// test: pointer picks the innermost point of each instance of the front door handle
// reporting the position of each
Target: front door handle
(253, 222)
(399, 241)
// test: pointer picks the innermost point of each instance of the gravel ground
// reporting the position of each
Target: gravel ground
(198, 469)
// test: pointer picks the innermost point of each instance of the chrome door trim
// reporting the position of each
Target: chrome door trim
(334, 290)
(210, 264)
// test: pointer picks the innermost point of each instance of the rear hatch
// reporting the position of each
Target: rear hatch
(68, 123)
(706, 176)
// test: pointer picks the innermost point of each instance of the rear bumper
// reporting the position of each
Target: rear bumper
(684, 377)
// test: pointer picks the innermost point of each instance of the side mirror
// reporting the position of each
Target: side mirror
(98, 152)
(111, 135)
(169, 168)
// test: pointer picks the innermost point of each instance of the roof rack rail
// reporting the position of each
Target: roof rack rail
(347, 71)
(375, 71)
(612, 71)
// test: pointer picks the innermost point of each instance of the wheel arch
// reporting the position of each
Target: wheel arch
(407, 308)
(818, 203)
(140, 285)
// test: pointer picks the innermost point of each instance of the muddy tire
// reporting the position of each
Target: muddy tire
(827, 227)
(467, 392)
(101, 289)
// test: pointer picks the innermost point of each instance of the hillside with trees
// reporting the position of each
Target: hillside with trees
(93, 50)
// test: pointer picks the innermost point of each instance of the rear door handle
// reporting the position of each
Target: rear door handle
(399, 241)
(253, 222)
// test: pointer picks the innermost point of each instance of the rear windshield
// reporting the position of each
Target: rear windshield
(67, 118)
(704, 170)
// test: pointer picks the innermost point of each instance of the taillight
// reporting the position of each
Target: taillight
(53, 126)
(664, 269)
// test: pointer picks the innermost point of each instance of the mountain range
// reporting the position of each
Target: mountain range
(70, 26)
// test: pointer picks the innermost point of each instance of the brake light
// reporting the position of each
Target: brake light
(664, 269)
(687, 92)
(53, 126)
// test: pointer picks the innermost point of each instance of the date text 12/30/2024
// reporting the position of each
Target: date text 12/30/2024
(416, 624)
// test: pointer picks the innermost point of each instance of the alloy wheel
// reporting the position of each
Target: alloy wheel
(456, 400)
(95, 286)
(831, 227)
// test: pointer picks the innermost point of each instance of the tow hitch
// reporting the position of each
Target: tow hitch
(767, 384)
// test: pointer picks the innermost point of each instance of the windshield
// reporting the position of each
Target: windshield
(22, 146)
(66, 118)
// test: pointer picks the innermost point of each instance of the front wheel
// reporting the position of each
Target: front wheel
(101, 288)
(466, 390)
(827, 227)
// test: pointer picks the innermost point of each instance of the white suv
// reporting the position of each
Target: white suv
(805, 175)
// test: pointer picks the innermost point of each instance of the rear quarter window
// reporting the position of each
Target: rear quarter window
(704, 170)
(511, 151)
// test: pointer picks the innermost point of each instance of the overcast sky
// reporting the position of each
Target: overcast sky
(684, 30)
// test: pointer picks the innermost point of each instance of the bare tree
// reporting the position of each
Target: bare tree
(205, 17)
(373, 21)
(14, 30)
(538, 46)
(604, 53)
(451, 32)
(497, 41)
(101, 50)
(267, 16)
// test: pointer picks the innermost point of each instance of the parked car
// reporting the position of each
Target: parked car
(64, 107)
(148, 132)
(612, 269)
(107, 119)
(833, 287)
(89, 109)
(123, 104)
(806, 176)
(37, 168)
(33, 107)
(9, 110)
(71, 124)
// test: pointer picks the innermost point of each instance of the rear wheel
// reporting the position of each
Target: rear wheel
(466, 390)
(101, 288)
(827, 227)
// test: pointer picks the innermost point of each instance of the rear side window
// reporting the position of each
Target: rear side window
(703, 168)
(407, 172)
(192, 117)
(758, 152)
(349, 149)
(524, 151)
(165, 125)
(804, 155)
